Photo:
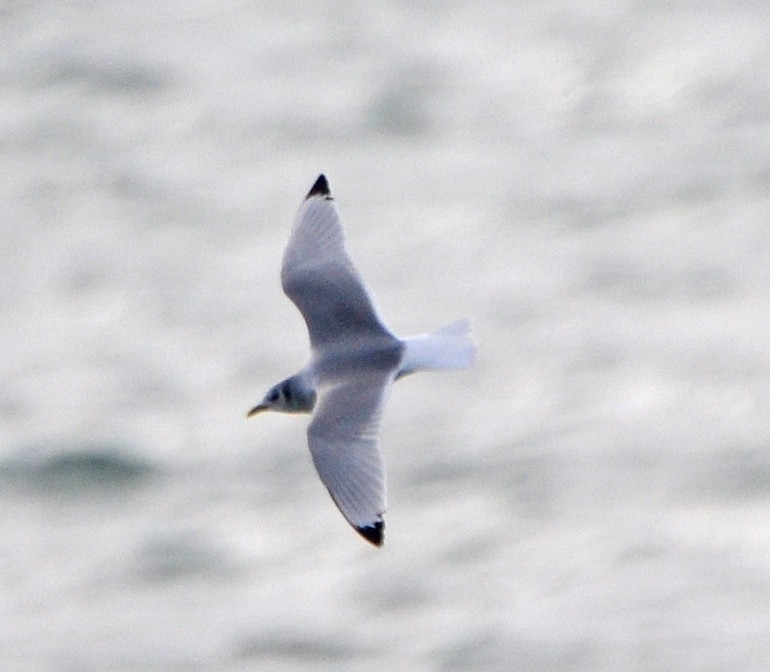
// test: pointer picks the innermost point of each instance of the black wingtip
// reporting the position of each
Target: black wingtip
(320, 188)
(373, 533)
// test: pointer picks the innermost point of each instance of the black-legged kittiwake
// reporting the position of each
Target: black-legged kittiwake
(354, 359)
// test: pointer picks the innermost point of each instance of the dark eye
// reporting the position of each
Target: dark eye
(273, 396)
(287, 395)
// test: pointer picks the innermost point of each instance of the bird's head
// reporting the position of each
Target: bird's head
(288, 396)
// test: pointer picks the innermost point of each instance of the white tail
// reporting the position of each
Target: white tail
(451, 347)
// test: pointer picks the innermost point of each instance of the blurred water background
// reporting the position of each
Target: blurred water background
(589, 181)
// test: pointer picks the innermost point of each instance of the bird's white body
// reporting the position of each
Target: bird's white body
(354, 360)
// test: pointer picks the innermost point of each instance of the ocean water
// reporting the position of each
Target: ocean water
(590, 182)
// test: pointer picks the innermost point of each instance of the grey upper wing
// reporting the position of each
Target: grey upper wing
(319, 277)
(343, 444)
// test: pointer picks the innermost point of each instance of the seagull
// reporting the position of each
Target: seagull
(354, 361)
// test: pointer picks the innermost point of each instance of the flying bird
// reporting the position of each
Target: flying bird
(354, 360)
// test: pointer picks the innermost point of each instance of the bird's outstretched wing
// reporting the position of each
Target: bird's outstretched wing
(343, 443)
(319, 277)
